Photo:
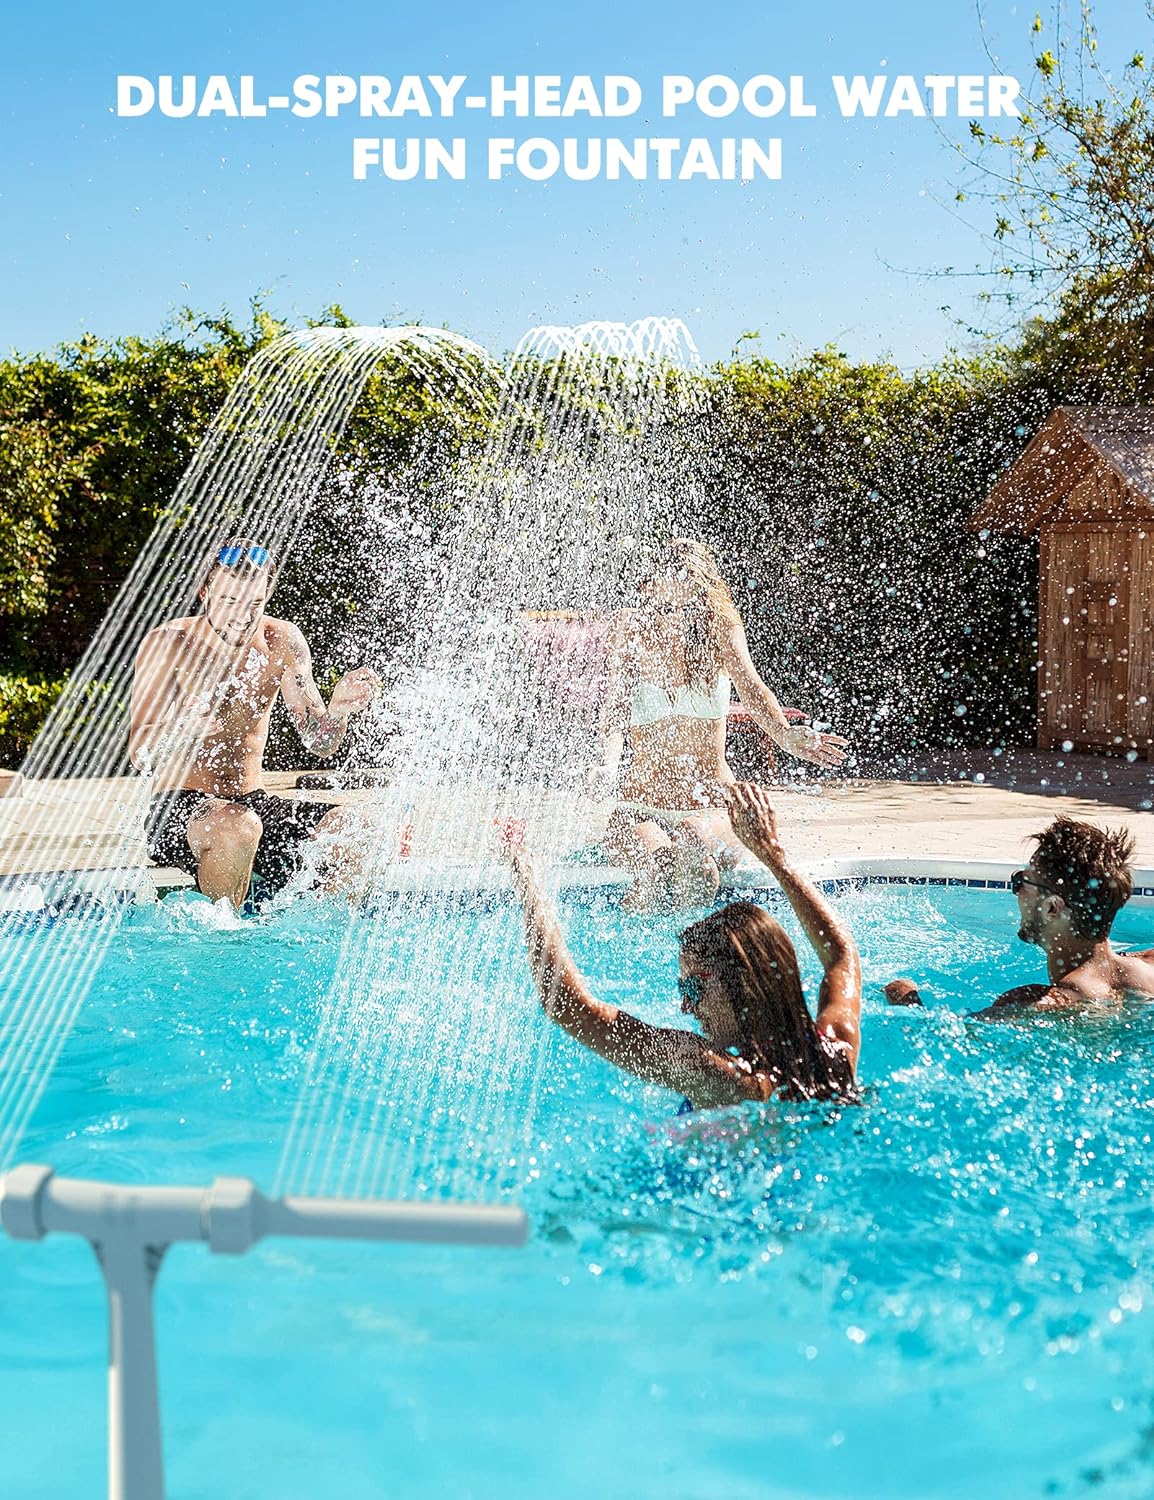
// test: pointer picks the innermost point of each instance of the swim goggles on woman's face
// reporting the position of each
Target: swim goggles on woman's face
(229, 557)
(689, 988)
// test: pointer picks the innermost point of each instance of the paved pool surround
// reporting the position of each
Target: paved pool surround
(968, 819)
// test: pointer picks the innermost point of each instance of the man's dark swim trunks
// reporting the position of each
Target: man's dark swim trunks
(287, 825)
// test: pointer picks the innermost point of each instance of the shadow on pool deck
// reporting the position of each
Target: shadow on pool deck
(1047, 773)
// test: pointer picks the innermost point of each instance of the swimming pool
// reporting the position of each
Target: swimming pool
(942, 1293)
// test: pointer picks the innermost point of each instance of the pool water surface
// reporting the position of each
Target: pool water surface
(944, 1292)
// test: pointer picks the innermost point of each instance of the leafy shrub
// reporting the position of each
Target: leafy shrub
(24, 705)
(837, 495)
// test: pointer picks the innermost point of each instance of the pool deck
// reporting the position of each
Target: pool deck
(947, 813)
(975, 806)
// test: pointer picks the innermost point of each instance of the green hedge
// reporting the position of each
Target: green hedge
(837, 495)
(94, 439)
(24, 705)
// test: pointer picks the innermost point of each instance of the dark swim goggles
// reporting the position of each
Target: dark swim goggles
(689, 989)
(1021, 877)
(229, 557)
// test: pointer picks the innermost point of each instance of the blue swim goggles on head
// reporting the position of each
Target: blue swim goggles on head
(228, 557)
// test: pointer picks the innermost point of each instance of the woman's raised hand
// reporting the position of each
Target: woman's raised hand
(754, 820)
(510, 838)
(811, 744)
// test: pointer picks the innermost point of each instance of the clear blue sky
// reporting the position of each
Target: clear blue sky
(109, 225)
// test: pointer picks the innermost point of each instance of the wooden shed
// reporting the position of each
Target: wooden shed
(1086, 484)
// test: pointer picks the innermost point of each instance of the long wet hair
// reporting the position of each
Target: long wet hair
(753, 957)
(710, 614)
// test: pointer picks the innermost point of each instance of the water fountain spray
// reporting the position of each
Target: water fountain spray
(586, 461)
(256, 472)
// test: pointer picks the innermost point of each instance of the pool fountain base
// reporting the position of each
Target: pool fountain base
(130, 1228)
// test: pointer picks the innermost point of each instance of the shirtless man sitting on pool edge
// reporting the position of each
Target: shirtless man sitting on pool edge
(202, 699)
(1078, 879)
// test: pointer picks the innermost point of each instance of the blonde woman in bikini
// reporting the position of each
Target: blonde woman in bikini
(673, 661)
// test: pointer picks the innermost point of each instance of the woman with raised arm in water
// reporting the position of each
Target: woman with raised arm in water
(672, 661)
(739, 981)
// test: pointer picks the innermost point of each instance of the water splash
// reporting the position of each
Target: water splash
(255, 473)
(588, 453)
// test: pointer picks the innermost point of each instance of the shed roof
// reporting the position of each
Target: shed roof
(1073, 443)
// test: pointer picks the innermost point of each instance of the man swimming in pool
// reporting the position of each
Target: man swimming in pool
(202, 698)
(1079, 877)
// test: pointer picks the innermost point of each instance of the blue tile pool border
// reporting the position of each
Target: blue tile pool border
(468, 886)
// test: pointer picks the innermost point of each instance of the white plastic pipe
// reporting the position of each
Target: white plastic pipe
(131, 1227)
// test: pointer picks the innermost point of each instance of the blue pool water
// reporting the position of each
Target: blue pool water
(943, 1293)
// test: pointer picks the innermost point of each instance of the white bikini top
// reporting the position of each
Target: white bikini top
(651, 703)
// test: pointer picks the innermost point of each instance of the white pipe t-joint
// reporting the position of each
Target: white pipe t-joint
(233, 1214)
(130, 1227)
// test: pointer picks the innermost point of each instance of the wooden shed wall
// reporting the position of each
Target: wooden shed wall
(1097, 626)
